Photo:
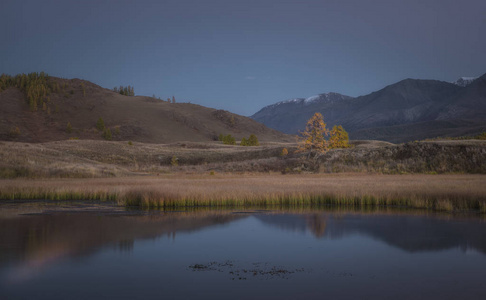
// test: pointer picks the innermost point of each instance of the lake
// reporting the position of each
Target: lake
(70, 250)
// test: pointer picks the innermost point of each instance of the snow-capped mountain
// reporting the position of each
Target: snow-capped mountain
(321, 98)
(288, 115)
(464, 81)
(407, 110)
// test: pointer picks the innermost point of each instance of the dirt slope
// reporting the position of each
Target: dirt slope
(144, 119)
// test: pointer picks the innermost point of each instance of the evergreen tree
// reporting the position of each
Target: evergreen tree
(100, 125)
(253, 140)
(107, 134)
(229, 140)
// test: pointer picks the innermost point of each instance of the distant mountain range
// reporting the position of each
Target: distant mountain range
(407, 110)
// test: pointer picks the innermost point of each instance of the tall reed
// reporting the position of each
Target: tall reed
(439, 192)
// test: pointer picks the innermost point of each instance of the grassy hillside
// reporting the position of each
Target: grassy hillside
(39, 108)
(430, 157)
(87, 158)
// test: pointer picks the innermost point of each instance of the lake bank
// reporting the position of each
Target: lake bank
(439, 192)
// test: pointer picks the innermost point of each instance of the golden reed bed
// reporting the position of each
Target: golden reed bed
(441, 192)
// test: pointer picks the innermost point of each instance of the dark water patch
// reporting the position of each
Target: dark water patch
(78, 252)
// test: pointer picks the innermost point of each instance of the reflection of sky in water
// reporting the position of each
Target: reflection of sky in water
(81, 256)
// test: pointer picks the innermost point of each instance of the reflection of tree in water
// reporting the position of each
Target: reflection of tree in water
(317, 224)
(126, 246)
(412, 233)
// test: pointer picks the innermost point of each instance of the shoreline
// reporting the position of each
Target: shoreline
(169, 191)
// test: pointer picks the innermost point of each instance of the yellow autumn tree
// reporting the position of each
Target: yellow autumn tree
(338, 138)
(314, 139)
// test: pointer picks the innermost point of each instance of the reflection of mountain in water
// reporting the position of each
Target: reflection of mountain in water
(407, 232)
(40, 239)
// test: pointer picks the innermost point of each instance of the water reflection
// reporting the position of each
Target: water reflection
(411, 233)
(34, 241)
(31, 242)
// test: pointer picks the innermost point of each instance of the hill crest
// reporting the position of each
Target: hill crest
(137, 118)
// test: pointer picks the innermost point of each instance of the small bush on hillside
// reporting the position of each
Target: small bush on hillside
(100, 125)
(285, 152)
(107, 134)
(69, 128)
(174, 161)
(220, 137)
(14, 132)
(251, 141)
(229, 140)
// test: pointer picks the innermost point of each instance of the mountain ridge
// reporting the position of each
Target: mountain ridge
(465, 81)
(410, 102)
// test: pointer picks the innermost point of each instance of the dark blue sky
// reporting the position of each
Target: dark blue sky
(243, 55)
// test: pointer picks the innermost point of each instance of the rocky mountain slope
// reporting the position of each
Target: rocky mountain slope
(407, 110)
(465, 81)
(291, 115)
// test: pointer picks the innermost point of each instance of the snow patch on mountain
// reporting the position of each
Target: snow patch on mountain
(312, 99)
(328, 97)
(465, 81)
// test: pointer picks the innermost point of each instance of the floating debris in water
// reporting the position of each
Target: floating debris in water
(258, 270)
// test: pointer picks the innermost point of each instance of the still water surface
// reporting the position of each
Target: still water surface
(79, 251)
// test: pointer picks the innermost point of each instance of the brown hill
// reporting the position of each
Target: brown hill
(136, 118)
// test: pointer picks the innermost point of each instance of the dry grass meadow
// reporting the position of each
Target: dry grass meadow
(91, 159)
(439, 192)
(438, 175)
